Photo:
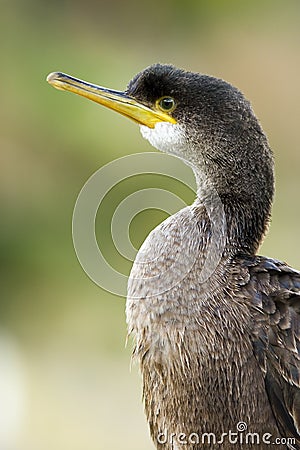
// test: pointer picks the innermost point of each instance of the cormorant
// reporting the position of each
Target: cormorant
(218, 342)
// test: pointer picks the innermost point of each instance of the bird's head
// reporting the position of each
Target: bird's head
(199, 118)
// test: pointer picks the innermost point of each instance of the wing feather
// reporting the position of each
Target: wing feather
(275, 298)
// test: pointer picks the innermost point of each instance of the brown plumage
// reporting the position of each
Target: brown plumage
(217, 328)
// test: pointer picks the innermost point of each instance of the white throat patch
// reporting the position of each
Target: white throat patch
(166, 137)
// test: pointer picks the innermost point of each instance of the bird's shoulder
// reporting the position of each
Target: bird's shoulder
(181, 236)
(274, 290)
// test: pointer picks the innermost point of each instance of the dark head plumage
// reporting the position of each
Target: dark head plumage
(223, 140)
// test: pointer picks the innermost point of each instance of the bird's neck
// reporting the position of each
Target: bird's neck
(242, 217)
(247, 222)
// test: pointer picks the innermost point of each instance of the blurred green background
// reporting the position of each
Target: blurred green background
(65, 381)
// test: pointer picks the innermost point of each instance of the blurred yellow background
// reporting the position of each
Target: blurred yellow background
(65, 381)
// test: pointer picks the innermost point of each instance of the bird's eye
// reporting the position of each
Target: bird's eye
(166, 104)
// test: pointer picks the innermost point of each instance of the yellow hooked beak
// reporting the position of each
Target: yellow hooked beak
(116, 100)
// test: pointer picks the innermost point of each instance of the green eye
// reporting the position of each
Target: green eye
(166, 104)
